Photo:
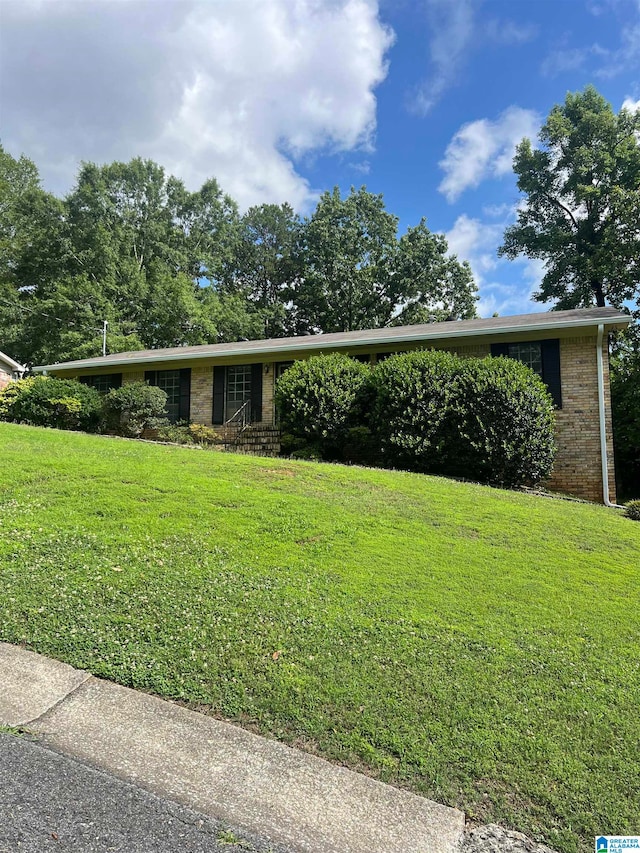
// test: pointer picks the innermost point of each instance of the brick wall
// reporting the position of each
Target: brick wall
(202, 394)
(133, 376)
(578, 466)
(5, 379)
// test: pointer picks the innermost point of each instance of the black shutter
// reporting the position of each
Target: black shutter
(151, 376)
(218, 395)
(256, 393)
(551, 369)
(116, 380)
(185, 394)
(499, 349)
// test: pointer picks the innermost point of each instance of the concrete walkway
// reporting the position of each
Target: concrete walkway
(270, 790)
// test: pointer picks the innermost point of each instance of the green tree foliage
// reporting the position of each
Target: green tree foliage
(582, 204)
(267, 263)
(165, 266)
(432, 284)
(349, 247)
(356, 274)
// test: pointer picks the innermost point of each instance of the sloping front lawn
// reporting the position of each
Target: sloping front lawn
(478, 646)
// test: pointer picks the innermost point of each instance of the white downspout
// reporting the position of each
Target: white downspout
(603, 422)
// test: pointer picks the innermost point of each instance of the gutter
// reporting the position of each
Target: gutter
(603, 422)
(316, 342)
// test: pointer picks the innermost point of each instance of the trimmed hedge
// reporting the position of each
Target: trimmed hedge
(490, 420)
(411, 411)
(321, 399)
(46, 401)
(135, 407)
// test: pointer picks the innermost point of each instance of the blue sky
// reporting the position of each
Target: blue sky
(421, 100)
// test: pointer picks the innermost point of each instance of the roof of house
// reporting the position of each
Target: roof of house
(13, 364)
(542, 322)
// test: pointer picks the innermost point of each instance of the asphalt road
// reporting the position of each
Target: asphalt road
(49, 802)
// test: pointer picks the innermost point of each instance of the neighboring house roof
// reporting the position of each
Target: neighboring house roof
(494, 326)
(10, 362)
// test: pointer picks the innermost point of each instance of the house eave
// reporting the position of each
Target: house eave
(451, 331)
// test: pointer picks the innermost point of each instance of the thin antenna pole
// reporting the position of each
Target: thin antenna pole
(104, 337)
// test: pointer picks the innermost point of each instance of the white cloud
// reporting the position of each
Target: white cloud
(509, 32)
(477, 242)
(236, 90)
(484, 149)
(451, 27)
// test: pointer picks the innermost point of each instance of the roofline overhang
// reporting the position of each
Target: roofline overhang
(274, 345)
(20, 368)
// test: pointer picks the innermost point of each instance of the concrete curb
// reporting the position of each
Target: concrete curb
(220, 770)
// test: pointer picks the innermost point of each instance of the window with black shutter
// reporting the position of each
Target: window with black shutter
(543, 357)
(171, 384)
(102, 382)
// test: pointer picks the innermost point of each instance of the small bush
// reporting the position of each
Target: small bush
(632, 510)
(177, 433)
(46, 401)
(135, 407)
(319, 400)
(202, 434)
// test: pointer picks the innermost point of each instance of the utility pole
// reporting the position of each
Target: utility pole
(104, 337)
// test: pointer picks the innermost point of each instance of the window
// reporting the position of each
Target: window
(281, 366)
(238, 387)
(103, 382)
(543, 357)
(169, 381)
(529, 354)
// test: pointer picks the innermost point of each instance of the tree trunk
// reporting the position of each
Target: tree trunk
(596, 286)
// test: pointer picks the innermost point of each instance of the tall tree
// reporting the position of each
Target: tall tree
(581, 212)
(434, 285)
(348, 251)
(267, 263)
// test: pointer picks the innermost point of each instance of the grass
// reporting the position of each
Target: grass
(477, 646)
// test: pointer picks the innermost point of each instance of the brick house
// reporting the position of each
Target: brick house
(9, 370)
(212, 384)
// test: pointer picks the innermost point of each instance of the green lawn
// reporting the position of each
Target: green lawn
(478, 646)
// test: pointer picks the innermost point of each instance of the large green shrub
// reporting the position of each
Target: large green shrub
(134, 407)
(321, 399)
(488, 419)
(502, 423)
(411, 409)
(46, 401)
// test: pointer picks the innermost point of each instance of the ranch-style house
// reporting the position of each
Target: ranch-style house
(215, 384)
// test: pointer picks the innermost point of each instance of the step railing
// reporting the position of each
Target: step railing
(237, 424)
